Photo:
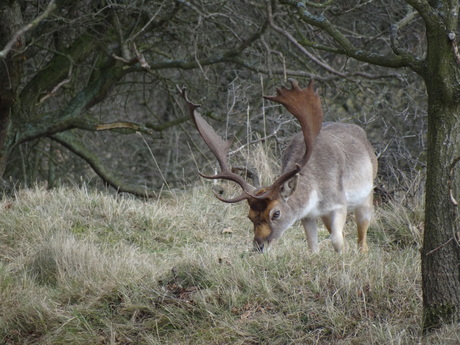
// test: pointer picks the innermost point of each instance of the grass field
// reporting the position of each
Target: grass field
(81, 267)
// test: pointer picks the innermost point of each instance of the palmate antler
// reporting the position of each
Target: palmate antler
(220, 148)
(304, 104)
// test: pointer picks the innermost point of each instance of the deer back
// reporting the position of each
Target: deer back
(341, 170)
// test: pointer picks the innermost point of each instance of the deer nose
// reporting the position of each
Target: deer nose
(259, 245)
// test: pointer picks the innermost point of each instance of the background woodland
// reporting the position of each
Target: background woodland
(107, 72)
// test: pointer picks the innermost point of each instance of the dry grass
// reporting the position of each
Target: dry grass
(79, 267)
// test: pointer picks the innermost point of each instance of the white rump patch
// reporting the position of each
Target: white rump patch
(358, 196)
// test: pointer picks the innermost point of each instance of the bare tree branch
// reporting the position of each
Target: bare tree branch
(357, 53)
(58, 86)
(301, 73)
(431, 18)
(124, 126)
(129, 126)
(49, 9)
(107, 175)
(394, 33)
(298, 45)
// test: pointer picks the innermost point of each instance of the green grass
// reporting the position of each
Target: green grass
(80, 267)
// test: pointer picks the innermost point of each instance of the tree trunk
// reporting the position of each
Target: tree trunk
(441, 249)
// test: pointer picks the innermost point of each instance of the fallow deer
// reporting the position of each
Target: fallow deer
(328, 170)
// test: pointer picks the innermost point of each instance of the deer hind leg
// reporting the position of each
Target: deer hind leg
(363, 215)
(311, 231)
(334, 222)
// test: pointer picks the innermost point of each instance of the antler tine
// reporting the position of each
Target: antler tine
(219, 148)
(305, 105)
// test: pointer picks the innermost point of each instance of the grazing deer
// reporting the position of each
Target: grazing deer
(327, 171)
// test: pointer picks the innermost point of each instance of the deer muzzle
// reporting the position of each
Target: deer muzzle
(261, 245)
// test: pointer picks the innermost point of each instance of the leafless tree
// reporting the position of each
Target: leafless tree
(87, 67)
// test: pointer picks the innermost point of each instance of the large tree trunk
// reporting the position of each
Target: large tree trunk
(441, 249)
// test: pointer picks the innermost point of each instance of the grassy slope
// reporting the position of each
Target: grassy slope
(78, 267)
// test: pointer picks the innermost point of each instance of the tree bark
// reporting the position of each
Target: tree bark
(441, 249)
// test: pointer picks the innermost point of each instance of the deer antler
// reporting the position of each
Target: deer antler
(305, 105)
(220, 149)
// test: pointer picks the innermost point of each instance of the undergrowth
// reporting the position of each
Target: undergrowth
(84, 267)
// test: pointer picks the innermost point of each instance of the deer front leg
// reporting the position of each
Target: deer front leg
(311, 231)
(334, 222)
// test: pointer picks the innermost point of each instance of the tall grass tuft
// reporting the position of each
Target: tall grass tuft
(83, 267)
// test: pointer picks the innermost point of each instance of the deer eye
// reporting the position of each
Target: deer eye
(276, 215)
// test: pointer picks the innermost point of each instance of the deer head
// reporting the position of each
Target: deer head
(269, 211)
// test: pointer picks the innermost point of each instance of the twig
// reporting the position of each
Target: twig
(50, 8)
(154, 160)
(231, 153)
(441, 246)
(122, 125)
(145, 27)
(141, 58)
(58, 86)
(138, 58)
(299, 46)
(126, 61)
(395, 29)
(450, 181)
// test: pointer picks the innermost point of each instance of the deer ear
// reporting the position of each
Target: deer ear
(289, 187)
